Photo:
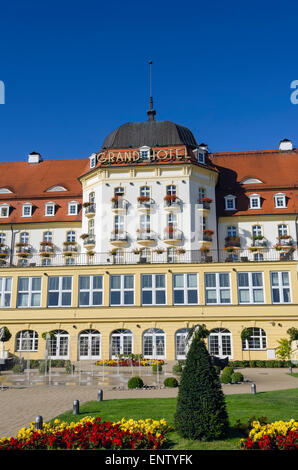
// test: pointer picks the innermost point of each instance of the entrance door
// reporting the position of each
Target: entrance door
(181, 343)
(220, 343)
(89, 344)
(154, 344)
(59, 345)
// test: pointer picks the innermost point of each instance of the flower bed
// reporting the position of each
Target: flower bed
(90, 433)
(280, 435)
(129, 362)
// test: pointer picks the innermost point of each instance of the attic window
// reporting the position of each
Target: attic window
(254, 201)
(73, 208)
(251, 181)
(280, 200)
(5, 191)
(56, 188)
(27, 210)
(4, 210)
(145, 153)
(50, 209)
(92, 160)
(230, 202)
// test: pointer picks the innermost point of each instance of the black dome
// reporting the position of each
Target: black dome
(151, 133)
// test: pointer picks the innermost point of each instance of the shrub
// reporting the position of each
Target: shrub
(225, 378)
(170, 382)
(42, 367)
(201, 412)
(177, 368)
(154, 367)
(34, 364)
(252, 363)
(18, 368)
(260, 363)
(69, 367)
(237, 377)
(135, 382)
(217, 368)
(228, 370)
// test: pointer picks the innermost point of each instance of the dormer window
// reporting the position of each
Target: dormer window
(280, 201)
(50, 209)
(230, 202)
(73, 208)
(4, 210)
(145, 153)
(27, 210)
(254, 201)
(92, 160)
(201, 157)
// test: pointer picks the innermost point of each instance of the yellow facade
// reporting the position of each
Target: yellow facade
(274, 319)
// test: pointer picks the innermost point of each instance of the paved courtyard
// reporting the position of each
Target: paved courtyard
(20, 406)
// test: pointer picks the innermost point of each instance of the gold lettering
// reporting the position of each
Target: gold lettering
(160, 157)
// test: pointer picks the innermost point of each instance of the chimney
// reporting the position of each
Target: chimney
(34, 157)
(285, 144)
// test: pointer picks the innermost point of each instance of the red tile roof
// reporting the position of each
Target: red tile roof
(278, 171)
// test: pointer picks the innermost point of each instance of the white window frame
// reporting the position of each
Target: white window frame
(122, 290)
(21, 340)
(282, 229)
(230, 198)
(50, 206)
(251, 288)
(75, 205)
(60, 292)
(232, 231)
(27, 206)
(256, 230)
(218, 288)
(24, 237)
(185, 288)
(30, 292)
(92, 160)
(280, 197)
(2, 238)
(4, 211)
(252, 198)
(144, 152)
(70, 236)
(91, 290)
(154, 289)
(280, 287)
(4, 291)
(255, 334)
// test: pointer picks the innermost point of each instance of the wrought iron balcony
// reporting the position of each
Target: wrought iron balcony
(89, 209)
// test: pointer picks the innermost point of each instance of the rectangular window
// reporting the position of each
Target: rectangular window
(185, 289)
(217, 288)
(72, 209)
(250, 288)
(29, 292)
(122, 289)
(5, 291)
(153, 289)
(59, 291)
(4, 211)
(27, 210)
(90, 291)
(50, 209)
(280, 287)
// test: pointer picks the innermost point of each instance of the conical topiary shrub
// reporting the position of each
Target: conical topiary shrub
(201, 412)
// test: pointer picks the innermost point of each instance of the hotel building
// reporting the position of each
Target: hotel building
(124, 251)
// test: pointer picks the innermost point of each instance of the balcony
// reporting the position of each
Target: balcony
(172, 203)
(119, 238)
(232, 242)
(145, 204)
(203, 205)
(89, 209)
(284, 242)
(89, 241)
(23, 250)
(3, 251)
(259, 241)
(70, 248)
(46, 249)
(119, 205)
(146, 237)
(173, 236)
(207, 237)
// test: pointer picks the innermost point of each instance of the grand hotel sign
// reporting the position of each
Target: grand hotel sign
(133, 156)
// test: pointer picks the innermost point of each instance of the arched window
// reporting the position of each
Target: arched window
(2, 238)
(257, 340)
(202, 193)
(220, 343)
(154, 344)
(89, 344)
(58, 345)
(181, 343)
(91, 228)
(27, 340)
(121, 343)
(92, 198)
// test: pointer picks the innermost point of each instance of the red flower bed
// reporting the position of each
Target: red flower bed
(96, 435)
(280, 442)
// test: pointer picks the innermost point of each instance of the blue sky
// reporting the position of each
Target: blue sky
(74, 71)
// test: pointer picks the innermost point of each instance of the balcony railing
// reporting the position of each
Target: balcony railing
(90, 209)
(118, 203)
(146, 235)
(118, 235)
(164, 257)
(232, 241)
(172, 202)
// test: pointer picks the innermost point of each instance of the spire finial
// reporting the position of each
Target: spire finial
(151, 113)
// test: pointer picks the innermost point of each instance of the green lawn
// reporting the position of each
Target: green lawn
(277, 405)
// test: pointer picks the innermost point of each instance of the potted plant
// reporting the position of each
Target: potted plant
(206, 199)
(246, 333)
(159, 251)
(113, 252)
(180, 251)
(208, 232)
(230, 249)
(204, 249)
(84, 236)
(137, 251)
(5, 336)
(143, 199)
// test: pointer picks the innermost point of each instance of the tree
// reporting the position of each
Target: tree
(284, 349)
(201, 411)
